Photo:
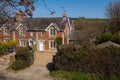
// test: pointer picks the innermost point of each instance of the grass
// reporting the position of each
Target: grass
(65, 75)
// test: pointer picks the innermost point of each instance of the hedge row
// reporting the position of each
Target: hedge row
(105, 61)
(104, 37)
(24, 58)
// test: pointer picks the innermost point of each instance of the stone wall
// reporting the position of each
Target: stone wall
(5, 61)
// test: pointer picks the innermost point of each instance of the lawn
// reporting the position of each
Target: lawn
(65, 75)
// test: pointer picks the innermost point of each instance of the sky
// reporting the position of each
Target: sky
(73, 8)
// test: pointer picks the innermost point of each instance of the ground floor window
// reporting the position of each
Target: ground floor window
(6, 40)
(52, 44)
(31, 42)
(22, 43)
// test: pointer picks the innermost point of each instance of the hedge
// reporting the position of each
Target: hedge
(102, 61)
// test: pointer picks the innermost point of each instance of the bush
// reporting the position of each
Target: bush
(103, 62)
(104, 37)
(1, 50)
(4, 46)
(58, 40)
(24, 58)
(24, 53)
(18, 65)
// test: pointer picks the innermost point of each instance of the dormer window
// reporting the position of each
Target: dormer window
(31, 34)
(52, 32)
(21, 31)
(42, 33)
(6, 31)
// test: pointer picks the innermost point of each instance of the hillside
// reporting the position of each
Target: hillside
(89, 28)
(81, 23)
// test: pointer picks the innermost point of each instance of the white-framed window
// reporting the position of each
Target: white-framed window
(31, 42)
(21, 31)
(31, 33)
(6, 31)
(52, 32)
(52, 44)
(42, 33)
(6, 40)
(22, 43)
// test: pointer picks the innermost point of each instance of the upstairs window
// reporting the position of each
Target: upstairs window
(42, 33)
(21, 31)
(6, 31)
(31, 33)
(52, 32)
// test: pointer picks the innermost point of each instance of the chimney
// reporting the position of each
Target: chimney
(64, 15)
(19, 16)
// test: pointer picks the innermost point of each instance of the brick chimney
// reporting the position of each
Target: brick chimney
(19, 16)
(64, 15)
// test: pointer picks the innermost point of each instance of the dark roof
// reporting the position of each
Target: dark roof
(106, 44)
(39, 23)
(9, 23)
(75, 34)
(43, 23)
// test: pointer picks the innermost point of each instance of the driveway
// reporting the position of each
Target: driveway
(38, 71)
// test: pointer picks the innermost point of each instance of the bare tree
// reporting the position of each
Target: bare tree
(9, 7)
(113, 13)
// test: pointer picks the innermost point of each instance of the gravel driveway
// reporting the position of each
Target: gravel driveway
(38, 71)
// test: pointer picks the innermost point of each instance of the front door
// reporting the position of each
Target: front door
(41, 45)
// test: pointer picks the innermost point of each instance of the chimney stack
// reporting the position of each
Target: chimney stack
(19, 16)
(64, 15)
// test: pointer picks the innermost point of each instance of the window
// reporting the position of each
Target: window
(52, 32)
(52, 44)
(21, 31)
(6, 40)
(6, 31)
(22, 43)
(31, 43)
(42, 33)
(31, 33)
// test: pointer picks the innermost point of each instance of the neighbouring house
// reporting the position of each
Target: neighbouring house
(39, 31)
(107, 44)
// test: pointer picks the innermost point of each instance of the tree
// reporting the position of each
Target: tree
(58, 40)
(113, 13)
(9, 7)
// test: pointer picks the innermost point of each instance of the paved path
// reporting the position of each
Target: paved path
(38, 71)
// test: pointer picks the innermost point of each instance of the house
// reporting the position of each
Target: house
(39, 31)
(107, 44)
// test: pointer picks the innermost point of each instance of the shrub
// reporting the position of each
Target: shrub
(101, 61)
(116, 38)
(18, 65)
(58, 40)
(25, 54)
(104, 37)
(1, 50)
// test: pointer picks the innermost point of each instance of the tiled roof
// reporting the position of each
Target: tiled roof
(38, 23)
(108, 43)
(43, 23)
(75, 35)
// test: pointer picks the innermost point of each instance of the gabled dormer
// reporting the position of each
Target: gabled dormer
(21, 29)
(52, 28)
(6, 29)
